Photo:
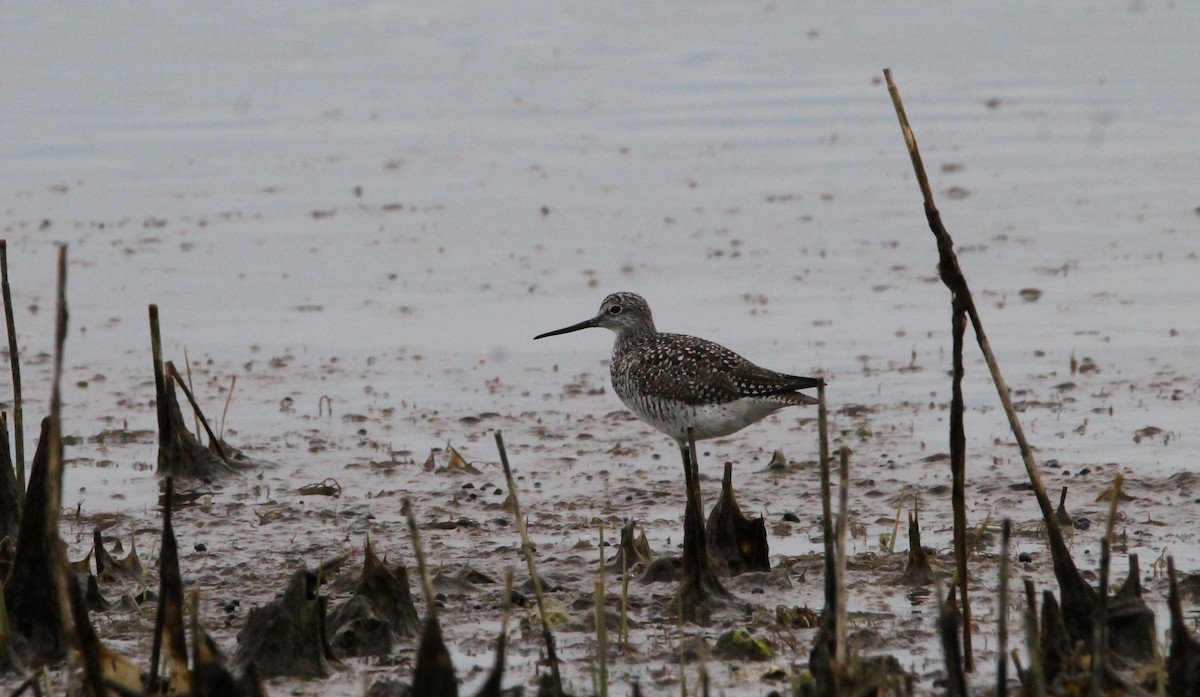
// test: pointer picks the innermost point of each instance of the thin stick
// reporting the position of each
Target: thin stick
(623, 633)
(506, 615)
(602, 639)
(896, 524)
(602, 621)
(15, 360)
(492, 686)
(527, 549)
(187, 366)
(909, 139)
(952, 276)
(956, 683)
(826, 670)
(160, 380)
(826, 499)
(225, 411)
(1035, 683)
(419, 554)
(54, 463)
(1002, 620)
(160, 616)
(600, 526)
(843, 506)
(958, 475)
(1100, 623)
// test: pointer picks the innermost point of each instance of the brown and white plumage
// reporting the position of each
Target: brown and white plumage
(676, 381)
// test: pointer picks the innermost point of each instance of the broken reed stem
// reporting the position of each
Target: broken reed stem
(601, 623)
(527, 549)
(216, 443)
(909, 139)
(826, 670)
(1099, 625)
(826, 495)
(623, 632)
(419, 553)
(506, 612)
(54, 463)
(193, 607)
(600, 526)
(225, 411)
(187, 366)
(160, 380)
(505, 616)
(160, 615)
(1118, 483)
(956, 683)
(896, 524)
(843, 506)
(952, 276)
(15, 361)
(5, 655)
(601, 639)
(958, 475)
(1100, 622)
(1035, 677)
(822, 429)
(1002, 619)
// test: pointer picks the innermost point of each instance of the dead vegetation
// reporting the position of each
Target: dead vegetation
(1084, 640)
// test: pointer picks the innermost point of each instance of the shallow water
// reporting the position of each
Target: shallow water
(382, 204)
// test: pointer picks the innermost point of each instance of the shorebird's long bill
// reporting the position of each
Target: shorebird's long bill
(586, 324)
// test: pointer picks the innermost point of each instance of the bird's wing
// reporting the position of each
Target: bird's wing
(698, 371)
(754, 381)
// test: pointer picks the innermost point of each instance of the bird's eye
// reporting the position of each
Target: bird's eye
(614, 310)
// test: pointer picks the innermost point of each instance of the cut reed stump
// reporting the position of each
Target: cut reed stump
(93, 598)
(112, 570)
(434, 672)
(492, 686)
(956, 681)
(287, 636)
(14, 356)
(180, 455)
(1183, 658)
(30, 592)
(634, 549)
(1131, 629)
(169, 649)
(380, 611)
(10, 492)
(917, 571)
(101, 665)
(737, 543)
(210, 677)
(35, 593)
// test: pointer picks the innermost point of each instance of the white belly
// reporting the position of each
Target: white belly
(706, 420)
